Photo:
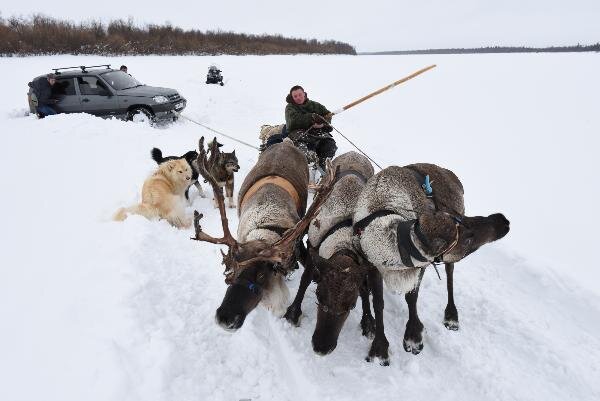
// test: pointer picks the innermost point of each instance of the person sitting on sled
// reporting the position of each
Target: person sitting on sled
(307, 124)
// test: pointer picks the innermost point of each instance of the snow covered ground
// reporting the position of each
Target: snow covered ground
(97, 310)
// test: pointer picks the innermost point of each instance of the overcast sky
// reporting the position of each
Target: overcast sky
(371, 25)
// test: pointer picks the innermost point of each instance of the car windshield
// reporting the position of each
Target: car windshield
(120, 80)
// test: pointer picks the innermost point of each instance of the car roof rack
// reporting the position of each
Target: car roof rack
(82, 67)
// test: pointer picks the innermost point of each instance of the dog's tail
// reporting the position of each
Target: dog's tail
(120, 214)
(141, 209)
(123, 212)
(156, 154)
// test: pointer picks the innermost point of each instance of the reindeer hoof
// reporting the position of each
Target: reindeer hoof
(413, 336)
(411, 346)
(451, 318)
(367, 324)
(379, 349)
(451, 325)
(292, 315)
(382, 361)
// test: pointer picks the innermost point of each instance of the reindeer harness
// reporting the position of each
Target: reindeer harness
(406, 247)
(346, 222)
(275, 180)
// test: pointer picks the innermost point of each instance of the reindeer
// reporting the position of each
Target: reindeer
(402, 224)
(335, 265)
(271, 210)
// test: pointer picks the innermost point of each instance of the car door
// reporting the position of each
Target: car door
(68, 99)
(96, 97)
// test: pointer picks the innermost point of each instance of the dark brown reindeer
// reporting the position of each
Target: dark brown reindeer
(271, 205)
(401, 229)
(337, 267)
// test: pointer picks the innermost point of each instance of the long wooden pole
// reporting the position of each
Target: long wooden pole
(377, 92)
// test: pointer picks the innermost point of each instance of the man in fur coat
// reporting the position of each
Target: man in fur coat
(307, 124)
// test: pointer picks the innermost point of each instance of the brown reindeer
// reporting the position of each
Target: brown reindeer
(271, 206)
(337, 268)
(401, 229)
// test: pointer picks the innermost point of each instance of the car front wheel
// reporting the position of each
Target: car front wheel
(140, 115)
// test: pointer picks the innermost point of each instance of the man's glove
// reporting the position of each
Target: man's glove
(317, 119)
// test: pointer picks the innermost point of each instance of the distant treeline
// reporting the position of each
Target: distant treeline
(499, 49)
(40, 35)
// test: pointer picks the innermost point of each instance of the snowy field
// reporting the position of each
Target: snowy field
(97, 310)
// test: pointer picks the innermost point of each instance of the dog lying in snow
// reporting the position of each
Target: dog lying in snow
(163, 195)
(190, 157)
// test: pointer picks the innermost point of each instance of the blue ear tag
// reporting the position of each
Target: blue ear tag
(427, 186)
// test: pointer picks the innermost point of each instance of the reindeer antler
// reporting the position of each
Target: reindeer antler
(281, 249)
(323, 191)
(214, 152)
(204, 170)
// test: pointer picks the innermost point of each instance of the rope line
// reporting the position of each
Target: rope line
(218, 132)
(351, 143)
(255, 148)
(357, 148)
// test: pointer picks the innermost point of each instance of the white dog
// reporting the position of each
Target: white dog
(163, 195)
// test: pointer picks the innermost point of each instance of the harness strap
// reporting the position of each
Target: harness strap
(276, 229)
(436, 203)
(406, 246)
(351, 254)
(360, 226)
(276, 180)
(341, 224)
(347, 222)
(420, 235)
(440, 258)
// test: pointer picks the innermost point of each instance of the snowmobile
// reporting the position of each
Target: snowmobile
(214, 76)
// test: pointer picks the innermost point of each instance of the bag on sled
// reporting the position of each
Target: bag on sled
(266, 131)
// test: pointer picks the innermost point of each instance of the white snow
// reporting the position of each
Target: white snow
(92, 309)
